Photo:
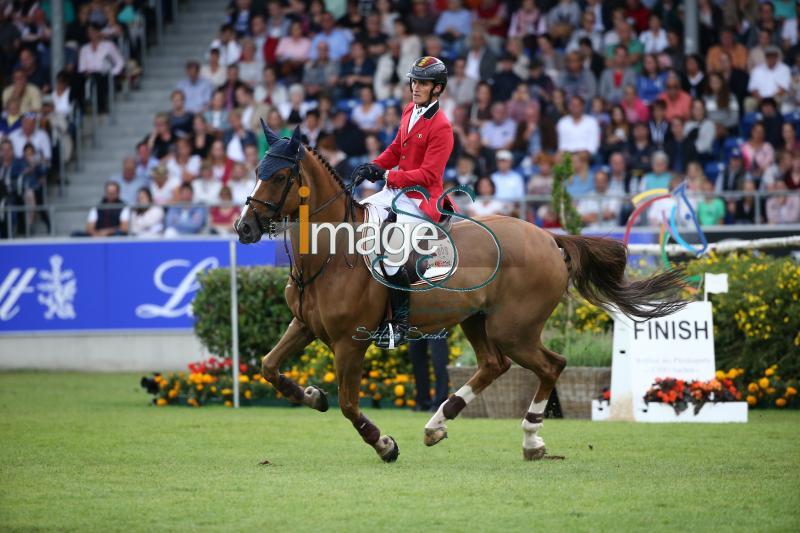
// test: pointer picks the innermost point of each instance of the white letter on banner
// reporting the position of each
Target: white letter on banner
(9, 309)
(188, 284)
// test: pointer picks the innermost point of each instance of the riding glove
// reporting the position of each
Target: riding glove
(368, 171)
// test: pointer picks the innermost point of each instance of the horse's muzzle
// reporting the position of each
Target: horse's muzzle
(248, 232)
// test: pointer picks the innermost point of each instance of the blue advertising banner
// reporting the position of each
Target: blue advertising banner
(111, 284)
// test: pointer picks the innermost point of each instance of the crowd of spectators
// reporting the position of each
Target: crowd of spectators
(103, 42)
(607, 81)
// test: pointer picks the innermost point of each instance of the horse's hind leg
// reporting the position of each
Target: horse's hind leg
(547, 365)
(294, 340)
(491, 365)
(348, 359)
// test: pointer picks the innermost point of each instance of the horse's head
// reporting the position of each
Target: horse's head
(276, 192)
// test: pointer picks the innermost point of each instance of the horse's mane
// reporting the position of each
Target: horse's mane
(335, 175)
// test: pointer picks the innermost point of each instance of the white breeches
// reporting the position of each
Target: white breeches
(383, 199)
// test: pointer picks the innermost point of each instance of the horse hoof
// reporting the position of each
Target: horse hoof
(391, 455)
(434, 436)
(316, 398)
(534, 454)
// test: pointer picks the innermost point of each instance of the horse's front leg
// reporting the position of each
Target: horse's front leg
(348, 360)
(294, 340)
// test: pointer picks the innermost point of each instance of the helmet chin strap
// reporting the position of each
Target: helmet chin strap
(432, 94)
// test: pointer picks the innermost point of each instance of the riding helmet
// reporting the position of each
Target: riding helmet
(428, 68)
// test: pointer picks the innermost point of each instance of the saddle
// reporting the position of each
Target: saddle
(442, 264)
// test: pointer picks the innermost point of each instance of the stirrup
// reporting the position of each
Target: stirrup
(390, 336)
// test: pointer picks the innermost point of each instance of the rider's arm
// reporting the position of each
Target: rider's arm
(432, 169)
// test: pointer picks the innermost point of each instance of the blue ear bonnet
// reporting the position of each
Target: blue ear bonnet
(282, 153)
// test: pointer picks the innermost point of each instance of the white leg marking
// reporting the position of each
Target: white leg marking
(438, 420)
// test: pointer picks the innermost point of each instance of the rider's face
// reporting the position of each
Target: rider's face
(421, 91)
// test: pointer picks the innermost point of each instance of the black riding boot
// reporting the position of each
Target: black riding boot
(393, 334)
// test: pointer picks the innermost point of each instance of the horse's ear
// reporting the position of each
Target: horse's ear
(294, 143)
(269, 134)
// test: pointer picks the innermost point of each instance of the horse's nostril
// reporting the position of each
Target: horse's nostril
(245, 229)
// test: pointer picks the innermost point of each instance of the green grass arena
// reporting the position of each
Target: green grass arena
(87, 452)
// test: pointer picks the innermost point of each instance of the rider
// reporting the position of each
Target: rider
(420, 152)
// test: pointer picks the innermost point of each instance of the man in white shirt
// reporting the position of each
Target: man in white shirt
(29, 133)
(129, 183)
(498, 133)
(196, 90)
(770, 79)
(509, 185)
(97, 59)
(576, 131)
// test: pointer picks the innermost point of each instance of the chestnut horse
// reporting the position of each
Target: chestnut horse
(332, 295)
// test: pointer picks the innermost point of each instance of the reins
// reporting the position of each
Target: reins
(349, 215)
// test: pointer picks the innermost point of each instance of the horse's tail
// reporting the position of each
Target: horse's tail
(597, 268)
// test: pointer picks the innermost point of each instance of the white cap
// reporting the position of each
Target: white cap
(504, 154)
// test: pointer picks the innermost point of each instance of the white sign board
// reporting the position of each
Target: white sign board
(680, 345)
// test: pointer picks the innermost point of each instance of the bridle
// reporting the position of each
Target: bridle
(268, 226)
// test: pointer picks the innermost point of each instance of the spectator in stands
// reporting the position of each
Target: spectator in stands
(237, 137)
(734, 176)
(356, 73)
(161, 188)
(634, 107)
(180, 120)
(721, 107)
(214, 72)
(293, 51)
(617, 132)
(389, 124)
(577, 131)
(129, 182)
(10, 171)
(183, 218)
(33, 178)
(694, 80)
(620, 181)
(12, 117)
(527, 21)
(772, 120)
(161, 139)
(390, 73)
(225, 213)
(251, 110)
(145, 163)
(504, 81)
(182, 164)
(217, 115)
(29, 133)
(602, 208)
(617, 76)
(296, 108)
(782, 208)
(322, 72)
(460, 87)
(678, 102)
(338, 41)
(110, 218)
(498, 133)
(232, 83)
(650, 83)
(349, 137)
(486, 204)
(705, 131)
(654, 40)
(792, 176)
(270, 91)
(771, 79)
(743, 210)
(711, 209)
(581, 182)
(147, 219)
(227, 45)
(453, 26)
(658, 125)
(484, 157)
(250, 65)
(310, 128)
(27, 94)
(219, 161)
(94, 63)
(206, 189)
(679, 147)
(789, 140)
(737, 52)
(29, 64)
(660, 176)
(578, 80)
(481, 109)
(481, 62)
(757, 153)
(372, 36)
(240, 184)
(196, 90)
(639, 151)
(541, 183)
(200, 139)
(420, 21)
(367, 113)
(562, 17)
(509, 185)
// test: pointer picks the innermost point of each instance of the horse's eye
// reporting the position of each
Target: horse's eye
(280, 178)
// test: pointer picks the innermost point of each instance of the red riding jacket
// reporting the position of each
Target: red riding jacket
(420, 155)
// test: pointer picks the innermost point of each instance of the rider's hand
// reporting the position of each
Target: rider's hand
(368, 171)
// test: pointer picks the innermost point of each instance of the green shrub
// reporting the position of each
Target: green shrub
(263, 313)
